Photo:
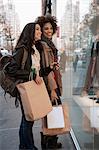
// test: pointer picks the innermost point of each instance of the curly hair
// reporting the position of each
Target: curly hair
(42, 20)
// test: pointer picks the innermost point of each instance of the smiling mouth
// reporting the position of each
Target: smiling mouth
(49, 34)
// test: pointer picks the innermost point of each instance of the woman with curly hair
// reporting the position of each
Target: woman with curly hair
(52, 77)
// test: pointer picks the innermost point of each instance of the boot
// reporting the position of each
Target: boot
(49, 142)
(52, 143)
(44, 141)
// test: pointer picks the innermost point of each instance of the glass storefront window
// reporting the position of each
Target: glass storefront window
(78, 24)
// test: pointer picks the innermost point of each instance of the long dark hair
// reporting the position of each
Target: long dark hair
(27, 37)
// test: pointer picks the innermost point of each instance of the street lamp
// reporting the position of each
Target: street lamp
(49, 6)
(46, 7)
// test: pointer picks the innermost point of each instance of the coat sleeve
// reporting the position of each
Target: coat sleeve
(14, 67)
(51, 81)
(49, 58)
(45, 71)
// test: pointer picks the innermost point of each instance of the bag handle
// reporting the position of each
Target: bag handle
(25, 55)
(56, 102)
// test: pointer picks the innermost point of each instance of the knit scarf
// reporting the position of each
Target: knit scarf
(52, 46)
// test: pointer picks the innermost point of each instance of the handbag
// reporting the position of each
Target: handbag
(35, 100)
(56, 131)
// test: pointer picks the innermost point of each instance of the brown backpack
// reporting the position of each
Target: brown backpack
(7, 82)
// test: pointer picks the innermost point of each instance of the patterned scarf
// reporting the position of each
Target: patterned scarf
(52, 46)
(56, 72)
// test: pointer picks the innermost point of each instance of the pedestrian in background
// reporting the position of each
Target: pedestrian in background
(49, 59)
(30, 34)
(62, 61)
(75, 62)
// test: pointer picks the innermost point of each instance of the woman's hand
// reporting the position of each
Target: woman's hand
(57, 67)
(53, 95)
(54, 66)
(38, 80)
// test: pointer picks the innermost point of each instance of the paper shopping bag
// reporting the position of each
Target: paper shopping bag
(35, 100)
(55, 118)
(56, 131)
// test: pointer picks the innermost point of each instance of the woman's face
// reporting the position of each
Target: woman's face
(37, 32)
(48, 30)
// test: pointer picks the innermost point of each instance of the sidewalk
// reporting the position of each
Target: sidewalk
(10, 118)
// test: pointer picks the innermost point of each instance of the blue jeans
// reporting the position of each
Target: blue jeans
(25, 133)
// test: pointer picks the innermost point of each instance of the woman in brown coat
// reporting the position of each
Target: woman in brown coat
(49, 59)
(92, 78)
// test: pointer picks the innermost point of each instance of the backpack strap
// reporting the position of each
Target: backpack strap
(25, 55)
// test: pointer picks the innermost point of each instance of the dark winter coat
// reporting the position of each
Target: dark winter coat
(17, 72)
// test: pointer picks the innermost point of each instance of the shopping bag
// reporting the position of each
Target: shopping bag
(55, 118)
(56, 131)
(35, 100)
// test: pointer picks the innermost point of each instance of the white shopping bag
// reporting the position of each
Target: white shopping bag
(55, 118)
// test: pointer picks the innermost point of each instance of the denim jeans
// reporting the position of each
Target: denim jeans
(25, 133)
